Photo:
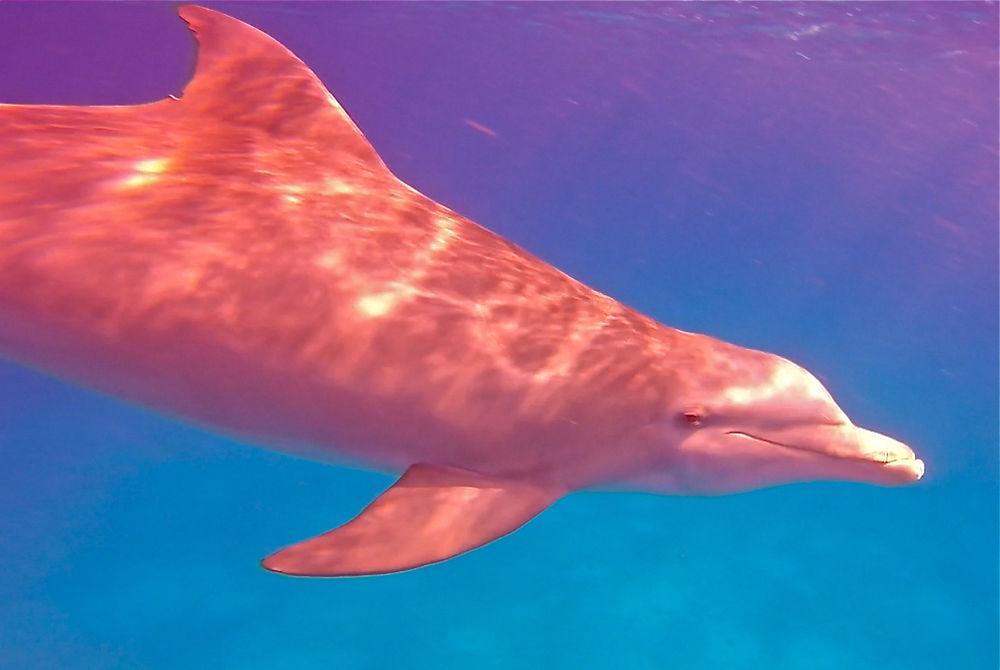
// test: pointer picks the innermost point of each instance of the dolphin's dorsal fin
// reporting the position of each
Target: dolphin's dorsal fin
(255, 131)
(246, 79)
(430, 514)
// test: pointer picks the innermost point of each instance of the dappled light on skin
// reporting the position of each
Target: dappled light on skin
(262, 221)
(241, 257)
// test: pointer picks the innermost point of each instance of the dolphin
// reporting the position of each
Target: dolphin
(241, 258)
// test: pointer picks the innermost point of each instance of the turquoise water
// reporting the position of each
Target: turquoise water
(819, 181)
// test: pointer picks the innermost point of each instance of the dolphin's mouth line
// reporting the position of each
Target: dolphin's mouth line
(878, 458)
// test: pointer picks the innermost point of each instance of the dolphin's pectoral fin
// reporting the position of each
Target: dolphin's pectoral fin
(430, 514)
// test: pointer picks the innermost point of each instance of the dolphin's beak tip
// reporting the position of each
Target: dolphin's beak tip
(893, 455)
(909, 469)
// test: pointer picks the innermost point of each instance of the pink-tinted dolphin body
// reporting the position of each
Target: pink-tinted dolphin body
(241, 257)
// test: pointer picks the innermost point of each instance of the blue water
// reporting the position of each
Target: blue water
(819, 181)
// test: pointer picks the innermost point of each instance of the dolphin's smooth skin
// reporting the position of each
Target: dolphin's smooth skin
(240, 257)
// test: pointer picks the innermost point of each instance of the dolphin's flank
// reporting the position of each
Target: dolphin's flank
(240, 257)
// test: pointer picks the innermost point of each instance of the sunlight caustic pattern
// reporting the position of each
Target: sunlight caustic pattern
(263, 224)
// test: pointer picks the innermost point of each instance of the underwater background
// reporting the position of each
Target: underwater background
(815, 180)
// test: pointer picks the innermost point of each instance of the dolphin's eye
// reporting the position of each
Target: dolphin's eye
(692, 417)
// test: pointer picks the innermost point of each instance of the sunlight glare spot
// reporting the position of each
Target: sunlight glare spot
(339, 187)
(444, 235)
(329, 259)
(377, 304)
(145, 172)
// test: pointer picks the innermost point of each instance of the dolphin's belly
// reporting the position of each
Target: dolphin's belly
(318, 408)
